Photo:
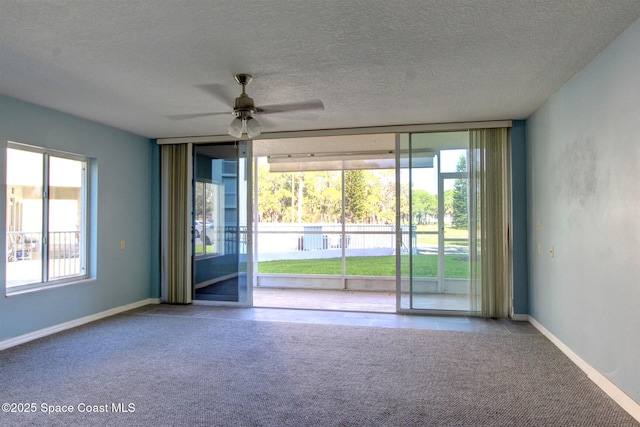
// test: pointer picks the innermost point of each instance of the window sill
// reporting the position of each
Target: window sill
(27, 289)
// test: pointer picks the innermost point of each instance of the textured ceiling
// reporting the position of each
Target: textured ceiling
(131, 64)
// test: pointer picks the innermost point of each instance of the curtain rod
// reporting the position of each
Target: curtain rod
(435, 127)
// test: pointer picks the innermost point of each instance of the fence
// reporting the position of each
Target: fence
(297, 241)
(22, 245)
(63, 251)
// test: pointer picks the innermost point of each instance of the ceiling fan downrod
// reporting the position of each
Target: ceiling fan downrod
(243, 105)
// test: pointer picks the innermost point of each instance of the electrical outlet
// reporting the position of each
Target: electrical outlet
(122, 244)
(539, 225)
(552, 251)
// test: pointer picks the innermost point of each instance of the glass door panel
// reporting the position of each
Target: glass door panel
(369, 232)
(299, 224)
(433, 260)
(419, 267)
(456, 246)
(221, 249)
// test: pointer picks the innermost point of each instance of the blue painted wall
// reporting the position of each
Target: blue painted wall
(519, 218)
(125, 195)
(583, 152)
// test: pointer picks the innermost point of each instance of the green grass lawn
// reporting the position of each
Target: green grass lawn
(200, 248)
(432, 239)
(456, 267)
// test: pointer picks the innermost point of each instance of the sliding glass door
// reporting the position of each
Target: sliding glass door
(221, 223)
(433, 237)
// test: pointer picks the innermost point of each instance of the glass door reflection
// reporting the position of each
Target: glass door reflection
(221, 248)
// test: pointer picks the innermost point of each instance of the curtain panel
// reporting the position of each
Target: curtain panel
(175, 242)
(490, 221)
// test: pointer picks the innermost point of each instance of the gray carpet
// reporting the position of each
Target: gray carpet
(199, 371)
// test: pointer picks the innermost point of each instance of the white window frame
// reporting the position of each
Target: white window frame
(83, 242)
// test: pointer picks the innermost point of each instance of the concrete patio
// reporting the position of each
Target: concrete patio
(345, 300)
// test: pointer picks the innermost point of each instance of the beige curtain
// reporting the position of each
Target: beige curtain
(175, 241)
(490, 210)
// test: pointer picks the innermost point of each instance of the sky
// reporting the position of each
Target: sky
(426, 178)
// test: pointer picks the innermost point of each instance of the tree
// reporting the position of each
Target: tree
(322, 196)
(385, 183)
(355, 194)
(274, 196)
(425, 206)
(459, 214)
(381, 196)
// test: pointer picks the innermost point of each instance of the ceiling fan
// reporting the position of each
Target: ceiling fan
(244, 110)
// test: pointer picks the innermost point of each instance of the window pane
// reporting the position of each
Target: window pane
(299, 230)
(199, 217)
(24, 217)
(211, 208)
(208, 214)
(370, 215)
(66, 215)
(453, 160)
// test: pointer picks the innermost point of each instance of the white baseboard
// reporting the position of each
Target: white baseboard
(619, 396)
(520, 317)
(11, 342)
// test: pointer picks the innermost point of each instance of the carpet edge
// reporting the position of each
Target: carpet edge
(613, 391)
(41, 333)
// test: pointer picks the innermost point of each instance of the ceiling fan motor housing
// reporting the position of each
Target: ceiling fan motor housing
(243, 106)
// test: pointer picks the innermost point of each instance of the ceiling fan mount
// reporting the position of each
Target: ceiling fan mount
(243, 79)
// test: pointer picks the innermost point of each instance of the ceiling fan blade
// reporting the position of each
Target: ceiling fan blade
(195, 116)
(315, 105)
(267, 124)
(221, 92)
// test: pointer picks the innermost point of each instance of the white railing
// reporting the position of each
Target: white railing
(22, 245)
(24, 256)
(297, 241)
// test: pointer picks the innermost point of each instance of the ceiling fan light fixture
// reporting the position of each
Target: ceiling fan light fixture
(236, 127)
(253, 127)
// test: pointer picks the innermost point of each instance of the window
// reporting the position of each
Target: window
(46, 217)
(206, 228)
